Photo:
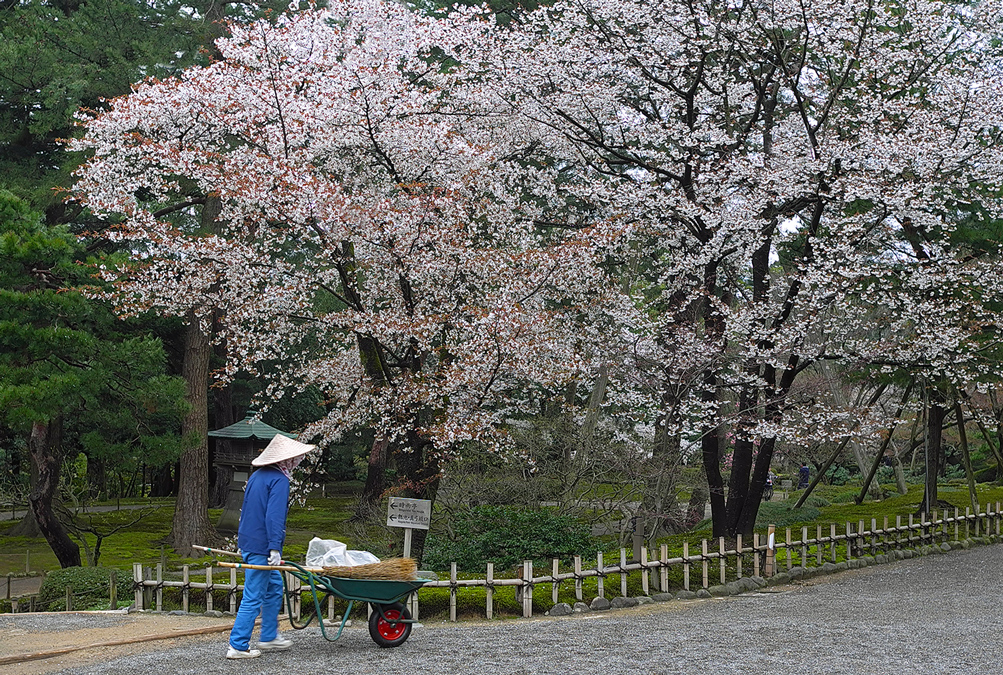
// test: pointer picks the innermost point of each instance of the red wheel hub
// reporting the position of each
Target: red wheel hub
(391, 631)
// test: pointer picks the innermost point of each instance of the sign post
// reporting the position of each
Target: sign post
(410, 514)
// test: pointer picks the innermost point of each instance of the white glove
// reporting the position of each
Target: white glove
(275, 557)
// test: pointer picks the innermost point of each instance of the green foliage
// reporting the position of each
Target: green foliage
(506, 536)
(816, 501)
(845, 497)
(89, 584)
(782, 515)
(838, 475)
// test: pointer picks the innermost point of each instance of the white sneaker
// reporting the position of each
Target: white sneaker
(237, 654)
(278, 644)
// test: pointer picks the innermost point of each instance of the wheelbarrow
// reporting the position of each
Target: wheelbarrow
(389, 623)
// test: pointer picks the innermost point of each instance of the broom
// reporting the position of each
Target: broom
(392, 569)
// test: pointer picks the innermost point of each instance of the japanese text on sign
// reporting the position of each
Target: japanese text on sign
(413, 513)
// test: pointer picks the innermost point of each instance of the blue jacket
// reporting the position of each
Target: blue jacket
(263, 516)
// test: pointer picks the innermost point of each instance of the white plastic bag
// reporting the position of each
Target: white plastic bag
(325, 553)
(333, 553)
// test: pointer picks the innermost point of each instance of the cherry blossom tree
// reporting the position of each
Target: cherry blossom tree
(373, 233)
(784, 168)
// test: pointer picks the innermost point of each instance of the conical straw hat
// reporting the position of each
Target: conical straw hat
(280, 448)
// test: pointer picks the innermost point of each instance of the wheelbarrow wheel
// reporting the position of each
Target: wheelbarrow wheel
(389, 632)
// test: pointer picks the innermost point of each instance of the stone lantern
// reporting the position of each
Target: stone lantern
(246, 439)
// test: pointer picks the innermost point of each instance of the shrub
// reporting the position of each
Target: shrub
(506, 536)
(816, 501)
(90, 588)
(845, 497)
(781, 515)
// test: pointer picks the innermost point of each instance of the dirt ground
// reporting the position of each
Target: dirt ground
(25, 637)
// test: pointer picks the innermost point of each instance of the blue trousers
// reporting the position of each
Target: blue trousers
(262, 595)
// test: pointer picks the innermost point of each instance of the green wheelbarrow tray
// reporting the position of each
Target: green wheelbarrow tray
(390, 623)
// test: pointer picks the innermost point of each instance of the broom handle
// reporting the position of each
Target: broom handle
(218, 551)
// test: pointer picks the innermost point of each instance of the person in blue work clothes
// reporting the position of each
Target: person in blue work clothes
(260, 534)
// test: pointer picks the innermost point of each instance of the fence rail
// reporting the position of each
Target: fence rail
(714, 561)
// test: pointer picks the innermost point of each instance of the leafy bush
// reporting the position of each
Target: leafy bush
(781, 515)
(844, 497)
(838, 475)
(506, 536)
(816, 501)
(90, 588)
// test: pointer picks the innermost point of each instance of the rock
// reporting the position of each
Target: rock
(780, 579)
(686, 595)
(561, 609)
(867, 560)
(644, 600)
(662, 597)
(719, 591)
(177, 612)
(599, 604)
(620, 603)
(796, 572)
(703, 594)
(828, 568)
(759, 581)
(945, 547)
(841, 566)
(581, 607)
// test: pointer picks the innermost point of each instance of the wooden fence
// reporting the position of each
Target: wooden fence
(712, 563)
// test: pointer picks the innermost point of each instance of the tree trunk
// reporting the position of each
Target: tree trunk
(191, 517)
(44, 446)
(376, 480)
(934, 443)
(222, 416)
(28, 527)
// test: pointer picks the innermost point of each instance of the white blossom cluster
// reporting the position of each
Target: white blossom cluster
(427, 218)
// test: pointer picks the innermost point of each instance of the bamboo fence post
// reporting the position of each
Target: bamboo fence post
(818, 546)
(623, 572)
(69, 598)
(968, 526)
(787, 550)
(208, 588)
(755, 554)
(771, 551)
(955, 523)
(898, 531)
(704, 561)
(233, 590)
(723, 561)
(934, 529)
(997, 519)
(874, 536)
(862, 539)
(832, 541)
(884, 536)
(160, 587)
(137, 584)
(554, 584)
(804, 546)
(849, 543)
(184, 589)
(686, 566)
(489, 600)
(978, 520)
(578, 578)
(527, 596)
(330, 608)
(452, 591)
(663, 569)
(600, 576)
(738, 556)
(644, 571)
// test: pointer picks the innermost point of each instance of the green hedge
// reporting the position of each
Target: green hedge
(506, 536)
(90, 587)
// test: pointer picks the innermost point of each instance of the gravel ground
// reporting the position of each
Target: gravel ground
(936, 614)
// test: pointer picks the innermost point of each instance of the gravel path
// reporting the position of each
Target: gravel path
(936, 614)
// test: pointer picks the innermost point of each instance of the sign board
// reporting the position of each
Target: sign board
(411, 513)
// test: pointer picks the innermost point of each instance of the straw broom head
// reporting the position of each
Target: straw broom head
(393, 569)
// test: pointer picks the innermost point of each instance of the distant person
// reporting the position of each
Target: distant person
(804, 476)
(260, 535)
